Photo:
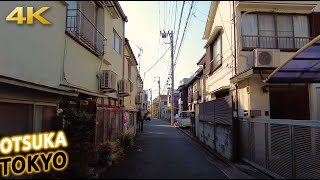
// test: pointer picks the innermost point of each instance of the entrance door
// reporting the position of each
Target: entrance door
(289, 102)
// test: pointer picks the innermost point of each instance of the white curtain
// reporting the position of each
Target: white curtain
(216, 53)
(249, 27)
(285, 31)
(301, 29)
(267, 31)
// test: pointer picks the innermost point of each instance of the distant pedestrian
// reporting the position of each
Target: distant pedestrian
(139, 118)
(142, 120)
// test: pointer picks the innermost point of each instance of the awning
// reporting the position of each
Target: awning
(302, 67)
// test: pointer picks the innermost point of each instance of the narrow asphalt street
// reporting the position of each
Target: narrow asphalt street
(161, 151)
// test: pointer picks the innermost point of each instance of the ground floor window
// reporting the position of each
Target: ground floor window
(18, 118)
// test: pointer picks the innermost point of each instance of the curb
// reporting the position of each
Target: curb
(206, 148)
(227, 163)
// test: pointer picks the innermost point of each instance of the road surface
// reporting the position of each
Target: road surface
(161, 151)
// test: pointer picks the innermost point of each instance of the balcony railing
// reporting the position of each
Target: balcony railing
(85, 32)
(250, 42)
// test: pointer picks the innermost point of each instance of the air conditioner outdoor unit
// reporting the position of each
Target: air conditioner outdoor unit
(124, 87)
(108, 81)
(266, 57)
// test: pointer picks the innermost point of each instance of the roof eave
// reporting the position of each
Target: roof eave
(120, 10)
(210, 19)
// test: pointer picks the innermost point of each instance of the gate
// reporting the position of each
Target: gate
(282, 148)
(108, 124)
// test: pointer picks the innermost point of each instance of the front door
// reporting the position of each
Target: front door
(289, 102)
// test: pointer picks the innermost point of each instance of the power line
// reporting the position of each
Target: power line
(184, 32)
(175, 18)
(224, 29)
(175, 44)
(198, 18)
(169, 14)
(157, 61)
(199, 11)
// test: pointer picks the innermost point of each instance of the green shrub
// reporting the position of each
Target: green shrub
(79, 128)
(106, 152)
(125, 141)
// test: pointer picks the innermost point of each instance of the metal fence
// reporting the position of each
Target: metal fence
(274, 42)
(282, 148)
(217, 111)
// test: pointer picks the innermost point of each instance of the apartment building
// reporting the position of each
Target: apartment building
(133, 89)
(76, 61)
(261, 72)
(183, 95)
(233, 52)
(162, 112)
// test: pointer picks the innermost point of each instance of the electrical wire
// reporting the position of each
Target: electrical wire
(184, 33)
(157, 61)
(175, 18)
(175, 44)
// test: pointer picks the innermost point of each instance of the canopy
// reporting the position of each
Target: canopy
(302, 67)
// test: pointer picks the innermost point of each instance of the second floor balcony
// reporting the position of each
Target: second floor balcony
(83, 29)
(284, 31)
(284, 43)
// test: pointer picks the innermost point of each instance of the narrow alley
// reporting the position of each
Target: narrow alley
(163, 152)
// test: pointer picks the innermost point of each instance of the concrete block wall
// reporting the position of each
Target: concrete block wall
(217, 137)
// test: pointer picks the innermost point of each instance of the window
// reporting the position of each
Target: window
(215, 55)
(129, 72)
(117, 43)
(278, 31)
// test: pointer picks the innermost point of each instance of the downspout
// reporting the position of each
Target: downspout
(123, 60)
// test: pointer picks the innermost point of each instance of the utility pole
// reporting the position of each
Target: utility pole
(150, 101)
(159, 98)
(164, 35)
(139, 55)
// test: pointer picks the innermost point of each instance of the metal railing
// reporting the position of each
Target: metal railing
(250, 42)
(282, 148)
(84, 31)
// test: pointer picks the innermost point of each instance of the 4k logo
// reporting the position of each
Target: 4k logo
(17, 15)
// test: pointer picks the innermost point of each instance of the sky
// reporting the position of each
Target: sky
(145, 21)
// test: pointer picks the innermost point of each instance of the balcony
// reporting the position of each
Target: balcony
(290, 44)
(82, 30)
